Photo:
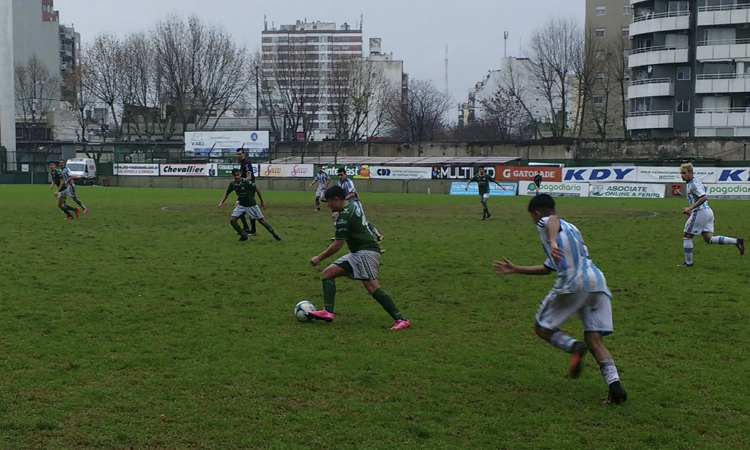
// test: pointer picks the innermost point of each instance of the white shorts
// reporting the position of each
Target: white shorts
(483, 197)
(72, 191)
(63, 193)
(700, 221)
(252, 211)
(365, 264)
(593, 308)
(320, 192)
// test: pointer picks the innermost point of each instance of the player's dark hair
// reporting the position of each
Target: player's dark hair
(234, 171)
(341, 170)
(51, 162)
(543, 203)
(240, 150)
(335, 192)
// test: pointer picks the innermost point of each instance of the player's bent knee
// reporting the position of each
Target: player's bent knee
(542, 332)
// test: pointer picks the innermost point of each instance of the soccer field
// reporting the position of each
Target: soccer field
(145, 324)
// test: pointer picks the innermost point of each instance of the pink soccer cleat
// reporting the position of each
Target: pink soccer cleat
(68, 217)
(85, 210)
(321, 315)
(401, 324)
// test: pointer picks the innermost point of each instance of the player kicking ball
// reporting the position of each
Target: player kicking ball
(700, 218)
(580, 289)
(246, 190)
(361, 263)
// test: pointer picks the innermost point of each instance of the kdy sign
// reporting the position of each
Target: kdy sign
(603, 174)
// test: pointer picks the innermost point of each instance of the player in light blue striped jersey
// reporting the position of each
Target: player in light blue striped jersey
(580, 289)
(700, 218)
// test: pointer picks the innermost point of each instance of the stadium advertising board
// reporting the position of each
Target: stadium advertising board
(139, 170)
(300, 170)
(184, 170)
(273, 170)
(225, 170)
(671, 174)
(225, 143)
(504, 190)
(732, 175)
(400, 173)
(603, 174)
(458, 172)
(525, 173)
(358, 172)
(555, 189)
(625, 190)
(729, 191)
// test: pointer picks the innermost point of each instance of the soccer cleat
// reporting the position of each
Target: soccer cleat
(243, 237)
(684, 265)
(85, 210)
(617, 394)
(321, 315)
(488, 216)
(741, 245)
(251, 233)
(317, 209)
(246, 230)
(484, 218)
(401, 324)
(381, 238)
(78, 210)
(277, 237)
(575, 365)
(68, 217)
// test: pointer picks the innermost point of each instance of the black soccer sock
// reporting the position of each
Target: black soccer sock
(329, 293)
(67, 213)
(252, 225)
(317, 202)
(486, 209)
(237, 228)
(386, 301)
(268, 227)
(69, 208)
(75, 199)
(244, 222)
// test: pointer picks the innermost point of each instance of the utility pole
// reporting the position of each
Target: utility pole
(505, 44)
(7, 95)
(257, 98)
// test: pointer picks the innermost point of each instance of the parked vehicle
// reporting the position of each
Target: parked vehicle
(83, 170)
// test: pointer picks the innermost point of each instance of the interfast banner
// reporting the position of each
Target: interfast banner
(603, 174)
(730, 191)
(504, 190)
(358, 172)
(524, 173)
(139, 170)
(554, 189)
(623, 190)
(671, 174)
(185, 170)
(458, 172)
(400, 173)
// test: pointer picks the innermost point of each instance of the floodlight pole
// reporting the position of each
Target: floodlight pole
(7, 91)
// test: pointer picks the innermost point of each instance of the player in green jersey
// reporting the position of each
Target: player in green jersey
(61, 193)
(483, 181)
(361, 263)
(246, 191)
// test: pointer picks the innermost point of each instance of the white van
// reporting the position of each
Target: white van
(83, 170)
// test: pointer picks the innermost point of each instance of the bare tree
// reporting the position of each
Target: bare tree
(141, 99)
(553, 52)
(103, 64)
(506, 115)
(37, 92)
(81, 100)
(589, 84)
(423, 118)
(617, 72)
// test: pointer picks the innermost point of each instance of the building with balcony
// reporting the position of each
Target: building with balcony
(690, 58)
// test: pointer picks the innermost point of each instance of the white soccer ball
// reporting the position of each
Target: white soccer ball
(301, 310)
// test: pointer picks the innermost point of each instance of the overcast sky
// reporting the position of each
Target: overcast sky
(415, 31)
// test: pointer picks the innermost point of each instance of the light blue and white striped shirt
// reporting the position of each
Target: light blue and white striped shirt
(695, 191)
(348, 187)
(575, 272)
(67, 176)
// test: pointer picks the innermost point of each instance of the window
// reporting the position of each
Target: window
(601, 10)
(683, 73)
(675, 6)
(601, 32)
(598, 99)
(683, 106)
(627, 10)
(625, 31)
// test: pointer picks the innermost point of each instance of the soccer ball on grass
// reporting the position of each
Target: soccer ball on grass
(301, 310)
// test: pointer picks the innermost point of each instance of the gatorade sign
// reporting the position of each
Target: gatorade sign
(524, 173)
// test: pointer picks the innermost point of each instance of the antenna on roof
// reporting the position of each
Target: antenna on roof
(505, 49)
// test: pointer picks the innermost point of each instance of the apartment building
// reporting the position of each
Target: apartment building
(691, 68)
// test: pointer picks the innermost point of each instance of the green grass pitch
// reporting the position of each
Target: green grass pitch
(145, 324)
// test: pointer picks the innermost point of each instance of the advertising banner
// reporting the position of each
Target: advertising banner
(671, 174)
(623, 190)
(400, 173)
(352, 171)
(273, 170)
(732, 175)
(184, 170)
(555, 189)
(225, 170)
(603, 174)
(221, 144)
(140, 170)
(524, 173)
(504, 190)
(459, 172)
(300, 170)
(730, 191)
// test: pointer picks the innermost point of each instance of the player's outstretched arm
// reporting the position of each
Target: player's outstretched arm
(506, 267)
(223, 199)
(331, 250)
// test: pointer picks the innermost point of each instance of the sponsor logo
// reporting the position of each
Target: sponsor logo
(734, 175)
(458, 172)
(254, 137)
(271, 171)
(528, 173)
(732, 190)
(627, 190)
(590, 174)
(299, 170)
(383, 172)
(183, 169)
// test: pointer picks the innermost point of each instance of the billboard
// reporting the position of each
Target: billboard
(730, 191)
(358, 172)
(671, 174)
(400, 173)
(562, 189)
(624, 190)
(459, 172)
(504, 190)
(184, 170)
(732, 175)
(603, 174)
(221, 144)
(141, 170)
(524, 173)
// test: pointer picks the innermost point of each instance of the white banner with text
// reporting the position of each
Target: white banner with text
(400, 173)
(554, 189)
(139, 170)
(626, 190)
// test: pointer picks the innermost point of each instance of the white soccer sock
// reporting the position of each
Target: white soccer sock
(563, 341)
(687, 248)
(609, 371)
(723, 240)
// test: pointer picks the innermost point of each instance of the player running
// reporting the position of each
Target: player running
(483, 182)
(580, 289)
(323, 180)
(61, 192)
(246, 190)
(246, 170)
(351, 196)
(71, 182)
(700, 218)
(361, 263)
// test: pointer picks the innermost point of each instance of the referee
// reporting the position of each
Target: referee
(246, 171)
